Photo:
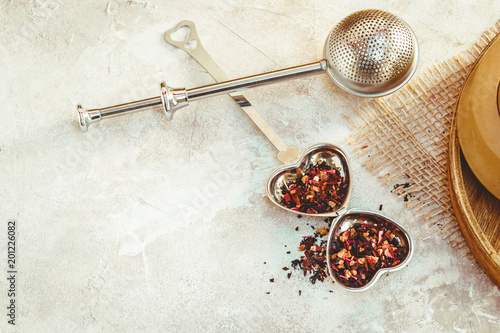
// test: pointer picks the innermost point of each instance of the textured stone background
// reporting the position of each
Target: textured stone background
(147, 225)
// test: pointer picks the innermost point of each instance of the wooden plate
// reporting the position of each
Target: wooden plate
(478, 119)
(476, 209)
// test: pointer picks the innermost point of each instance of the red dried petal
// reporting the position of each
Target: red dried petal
(371, 259)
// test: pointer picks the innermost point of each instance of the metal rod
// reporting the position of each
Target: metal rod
(255, 80)
(117, 110)
(173, 99)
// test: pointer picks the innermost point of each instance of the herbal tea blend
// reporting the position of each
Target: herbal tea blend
(314, 259)
(363, 249)
(322, 189)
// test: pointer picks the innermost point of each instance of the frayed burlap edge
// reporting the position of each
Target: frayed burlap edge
(405, 139)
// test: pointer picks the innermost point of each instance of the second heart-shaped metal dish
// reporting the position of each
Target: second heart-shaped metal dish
(387, 252)
(387, 246)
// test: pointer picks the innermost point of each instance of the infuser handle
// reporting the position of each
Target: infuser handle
(173, 99)
(192, 45)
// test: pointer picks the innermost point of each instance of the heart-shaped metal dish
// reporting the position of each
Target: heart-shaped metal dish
(332, 155)
(351, 218)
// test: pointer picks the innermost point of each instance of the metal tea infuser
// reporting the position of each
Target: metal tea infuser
(370, 53)
(331, 154)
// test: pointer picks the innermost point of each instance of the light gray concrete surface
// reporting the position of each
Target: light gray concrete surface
(147, 225)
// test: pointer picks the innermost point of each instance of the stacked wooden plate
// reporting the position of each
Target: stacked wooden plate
(474, 160)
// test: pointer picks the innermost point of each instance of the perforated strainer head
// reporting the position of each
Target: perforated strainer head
(371, 53)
